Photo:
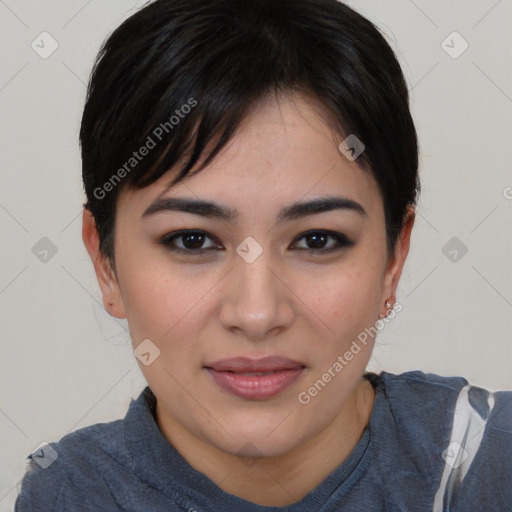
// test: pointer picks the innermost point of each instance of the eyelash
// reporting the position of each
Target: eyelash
(341, 239)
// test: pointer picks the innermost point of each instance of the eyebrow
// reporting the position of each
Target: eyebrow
(217, 211)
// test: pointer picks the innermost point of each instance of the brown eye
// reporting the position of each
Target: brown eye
(317, 241)
(190, 241)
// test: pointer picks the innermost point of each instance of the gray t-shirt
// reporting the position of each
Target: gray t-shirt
(432, 444)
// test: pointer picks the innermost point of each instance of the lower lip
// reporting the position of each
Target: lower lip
(255, 386)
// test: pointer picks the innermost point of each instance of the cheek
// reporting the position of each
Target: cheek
(348, 302)
(168, 311)
(160, 301)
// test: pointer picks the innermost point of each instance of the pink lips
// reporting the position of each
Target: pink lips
(255, 378)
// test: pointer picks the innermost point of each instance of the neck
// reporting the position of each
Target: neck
(284, 479)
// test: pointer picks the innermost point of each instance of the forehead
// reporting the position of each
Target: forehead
(284, 151)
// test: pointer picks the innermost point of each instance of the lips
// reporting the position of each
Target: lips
(246, 365)
(255, 379)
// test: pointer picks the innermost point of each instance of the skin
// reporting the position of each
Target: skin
(201, 308)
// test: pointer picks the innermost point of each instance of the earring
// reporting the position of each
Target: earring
(110, 303)
(388, 306)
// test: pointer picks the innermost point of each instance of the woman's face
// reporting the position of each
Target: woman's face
(256, 290)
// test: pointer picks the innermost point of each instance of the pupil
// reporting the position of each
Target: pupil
(314, 238)
(195, 237)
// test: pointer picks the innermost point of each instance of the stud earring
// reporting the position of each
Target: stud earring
(388, 306)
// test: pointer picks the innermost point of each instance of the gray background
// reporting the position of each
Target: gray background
(67, 364)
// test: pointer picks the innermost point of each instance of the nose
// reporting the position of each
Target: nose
(256, 302)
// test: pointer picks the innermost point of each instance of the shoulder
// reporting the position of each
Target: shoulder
(428, 391)
(417, 382)
(462, 432)
(75, 461)
(415, 396)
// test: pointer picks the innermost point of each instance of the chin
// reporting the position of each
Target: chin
(245, 447)
(262, 442)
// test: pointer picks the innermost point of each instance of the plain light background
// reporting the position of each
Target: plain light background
(67, 364)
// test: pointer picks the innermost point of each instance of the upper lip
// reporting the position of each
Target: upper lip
(245, 364)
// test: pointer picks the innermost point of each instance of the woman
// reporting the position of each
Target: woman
(251, 177)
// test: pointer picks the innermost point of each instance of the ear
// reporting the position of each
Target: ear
(397, 260)
(107, 279)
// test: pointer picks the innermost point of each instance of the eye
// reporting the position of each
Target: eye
(191, 241)
(317, 239)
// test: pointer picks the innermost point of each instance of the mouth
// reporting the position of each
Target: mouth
(255, 379)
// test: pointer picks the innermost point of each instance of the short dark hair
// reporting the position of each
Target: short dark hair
(213, 61)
